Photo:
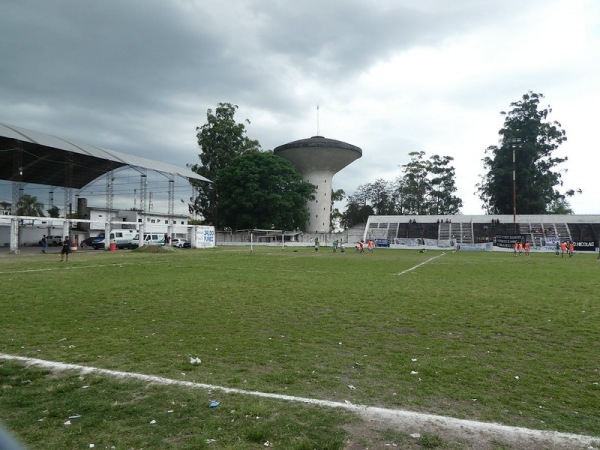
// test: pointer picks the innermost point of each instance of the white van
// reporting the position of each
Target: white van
(122, 238)
(149, 239)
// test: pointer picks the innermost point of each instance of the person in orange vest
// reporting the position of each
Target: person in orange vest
(527, 248)
(520, 247)
(563, 249)
(370, 245)
(571, 248)
(515, 248)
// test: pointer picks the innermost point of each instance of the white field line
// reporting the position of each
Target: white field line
(421, 264)
(388, 415)
(68, 266)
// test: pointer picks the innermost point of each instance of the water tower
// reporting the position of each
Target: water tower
(319, 159)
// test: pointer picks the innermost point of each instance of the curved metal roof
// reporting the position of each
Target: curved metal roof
(33, 157)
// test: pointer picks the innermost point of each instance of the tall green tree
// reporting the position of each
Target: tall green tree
(399, 188)
(416, 184)
(527, 142)
(220, 139)
(262, 190)
(28, 205)
(427, 186)
(442, 187)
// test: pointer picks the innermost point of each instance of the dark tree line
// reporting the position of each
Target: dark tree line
(427, 186)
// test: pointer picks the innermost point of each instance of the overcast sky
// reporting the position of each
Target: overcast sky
(390, 76)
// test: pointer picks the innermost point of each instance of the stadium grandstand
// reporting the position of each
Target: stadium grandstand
(484, 232)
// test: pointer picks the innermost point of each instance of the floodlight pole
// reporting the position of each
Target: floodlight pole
(514, 142)
(514, 191)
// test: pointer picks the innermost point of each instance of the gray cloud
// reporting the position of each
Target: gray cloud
(138, 76)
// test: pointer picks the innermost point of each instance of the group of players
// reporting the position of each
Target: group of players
(565, 247)
(562, 248)
(519, 247)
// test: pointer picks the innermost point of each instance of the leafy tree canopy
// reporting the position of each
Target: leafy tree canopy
(522, 173)
(54, 211)
(221, 139)
(357, 211)
(262, 190)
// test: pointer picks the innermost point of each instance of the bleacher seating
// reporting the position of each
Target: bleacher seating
(480, 231)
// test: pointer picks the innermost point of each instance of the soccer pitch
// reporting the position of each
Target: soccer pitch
(479, 336)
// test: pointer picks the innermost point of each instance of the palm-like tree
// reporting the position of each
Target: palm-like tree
(28, 205)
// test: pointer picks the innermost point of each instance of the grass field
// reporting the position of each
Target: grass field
(481, 336)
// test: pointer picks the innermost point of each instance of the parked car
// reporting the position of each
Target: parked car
(88, 242)
(53, 240)
(180, 243)
(382, 242)
(149, 239)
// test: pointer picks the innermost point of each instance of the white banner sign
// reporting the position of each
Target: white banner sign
(204, 236)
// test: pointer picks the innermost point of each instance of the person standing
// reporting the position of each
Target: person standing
(66, 249)
(527, 248)
(316, 244)
(370, 246)
(563, 249)
(44, 244)
(335, 246)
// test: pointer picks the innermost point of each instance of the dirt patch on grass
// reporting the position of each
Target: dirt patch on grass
(384, 429)
(154, 249)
